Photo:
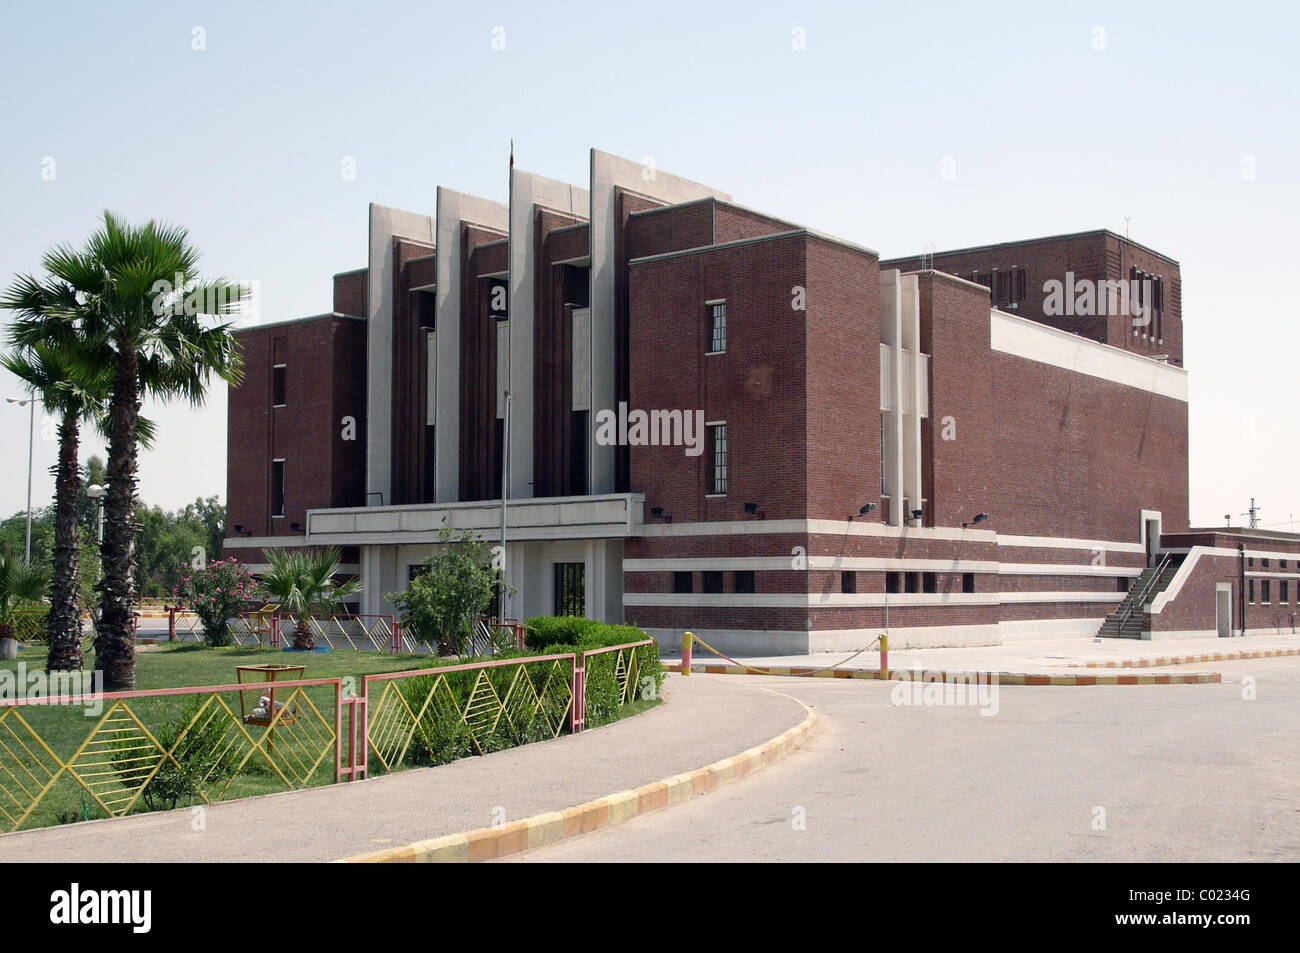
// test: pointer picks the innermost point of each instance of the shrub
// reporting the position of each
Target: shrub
(453, 588)
(216, 593)
(552, 635)
(203, 756)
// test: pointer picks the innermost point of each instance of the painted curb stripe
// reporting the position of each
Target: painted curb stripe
(1004, 678)
(1192, 659)
(489, 843)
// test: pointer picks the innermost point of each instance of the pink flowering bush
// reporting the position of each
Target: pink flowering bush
(215, 594)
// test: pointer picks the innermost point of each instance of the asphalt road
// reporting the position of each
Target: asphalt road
(1123, 773)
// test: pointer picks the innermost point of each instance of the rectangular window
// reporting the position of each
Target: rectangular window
(279, 385)
(883, 424)
(424, 309)
(1283, 592)
(1020, 283)
(578, 454)
(1264, 563)
(713, 581)
(892, 582)
(848, 581)
(1251, 585)
(913, 580)
(931, 581)
(718, 326)
(1004, 287)
(745, 581)
(1266, 591)
(1122, 583)
(570, 589)
(968, 582)
(277, 487)
(718, 434)
(683, 582)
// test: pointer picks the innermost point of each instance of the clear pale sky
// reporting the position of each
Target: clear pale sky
(1179, 118)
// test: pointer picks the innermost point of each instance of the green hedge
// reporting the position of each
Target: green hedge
(440, 737)
(555, 635)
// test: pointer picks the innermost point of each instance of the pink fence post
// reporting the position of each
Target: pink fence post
(171, 623)
(397, 637)
(578, 716)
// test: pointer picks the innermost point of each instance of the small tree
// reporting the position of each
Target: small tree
(216, 593)
(20, 584)
(453, 588)
(302, 582)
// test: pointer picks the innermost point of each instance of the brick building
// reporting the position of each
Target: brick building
(713, 419)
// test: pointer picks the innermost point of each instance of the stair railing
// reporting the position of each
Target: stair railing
(1146, 591)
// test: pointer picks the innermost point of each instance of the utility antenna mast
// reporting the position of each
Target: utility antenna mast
(1253, 514)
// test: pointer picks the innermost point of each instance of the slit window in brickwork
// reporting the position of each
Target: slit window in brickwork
(893, 583)
(968, 582)
(279, 385)
(718, 433)
(683, 582)
(848, 581)
(745, 581)
(713, 582)
(718, 326)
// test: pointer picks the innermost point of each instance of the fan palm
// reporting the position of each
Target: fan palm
(141, 301)
(20, 583)
(302, 582)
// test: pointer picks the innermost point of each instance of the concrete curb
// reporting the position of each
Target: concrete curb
(1004, 678)
(490, 843)
(1191, 659)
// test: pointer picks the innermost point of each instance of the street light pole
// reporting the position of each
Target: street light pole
(31, 431)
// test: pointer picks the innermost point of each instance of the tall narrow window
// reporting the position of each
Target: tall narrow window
(1266, 591)
(279, 385)
(848, 581)
(1020, 283)
(718, 325)
(718, 483)
(713, 581)
(277, 487)
(968, 582)
(578, 454)
(893, 582)
(745, 580)
(1283, 592)
(931, 581)
(570, 589)
(913, 580)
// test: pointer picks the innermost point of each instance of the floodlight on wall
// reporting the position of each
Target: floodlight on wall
(917, 514)
(863, 511)
(751, 509)
(239, 527)
(657, 512)
(294, 526)
(979, 518)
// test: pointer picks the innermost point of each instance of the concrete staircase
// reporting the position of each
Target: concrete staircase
(1127, 620)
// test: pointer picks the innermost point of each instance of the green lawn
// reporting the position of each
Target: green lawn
(65, 729)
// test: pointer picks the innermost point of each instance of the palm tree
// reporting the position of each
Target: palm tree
(20, 582)
(302, 582)
(142, 300)
(57, 378)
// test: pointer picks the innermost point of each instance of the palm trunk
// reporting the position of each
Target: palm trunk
(115, 641)
(303, 639)
(65, 611)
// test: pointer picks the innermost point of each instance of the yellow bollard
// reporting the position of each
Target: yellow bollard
(884, 656)
(687, 641)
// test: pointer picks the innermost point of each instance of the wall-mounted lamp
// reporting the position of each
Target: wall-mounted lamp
(917, 514)
(657, 512)
(239, 527)
(752, 509)
(979, 518)
(294, 526)
(863, 511)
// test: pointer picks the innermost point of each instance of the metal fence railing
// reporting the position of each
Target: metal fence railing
(75, 756)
